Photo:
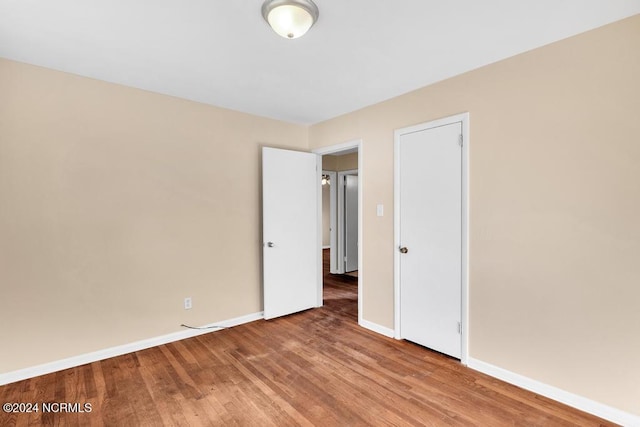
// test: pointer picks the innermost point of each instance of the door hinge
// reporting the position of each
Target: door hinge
(460, 328)
(460, 140)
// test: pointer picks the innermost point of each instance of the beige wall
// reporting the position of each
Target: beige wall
(329, 163)
(115, 204)
(554, 208)
(340, 163)
(326, 215)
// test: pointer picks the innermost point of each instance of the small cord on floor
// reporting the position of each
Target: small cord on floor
(203, 327)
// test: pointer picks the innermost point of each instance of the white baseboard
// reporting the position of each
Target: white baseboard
(83, 359)
(595, 408)
(382, 330)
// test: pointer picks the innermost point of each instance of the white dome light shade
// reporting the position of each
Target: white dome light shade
(290, 19)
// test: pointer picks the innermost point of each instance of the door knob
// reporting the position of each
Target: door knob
(270, 244)
(403, 250)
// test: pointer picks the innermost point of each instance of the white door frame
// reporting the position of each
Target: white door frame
(464, 119)
(335, 149)
(341, 238)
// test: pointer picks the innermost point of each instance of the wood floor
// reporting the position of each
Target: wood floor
(312, 368)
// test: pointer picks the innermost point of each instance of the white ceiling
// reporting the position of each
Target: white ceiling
(221, 52)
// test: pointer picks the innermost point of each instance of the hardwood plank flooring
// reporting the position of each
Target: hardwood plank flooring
(315, 368)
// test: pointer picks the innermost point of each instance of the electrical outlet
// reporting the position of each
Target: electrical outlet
(187, 303)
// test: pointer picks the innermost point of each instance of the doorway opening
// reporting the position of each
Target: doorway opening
(341, 225)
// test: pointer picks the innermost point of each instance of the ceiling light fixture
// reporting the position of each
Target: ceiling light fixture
(290, 18)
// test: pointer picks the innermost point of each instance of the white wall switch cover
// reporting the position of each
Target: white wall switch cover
(380, 210)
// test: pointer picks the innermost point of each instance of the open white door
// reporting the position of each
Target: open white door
(350, 223)
(291, 246)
